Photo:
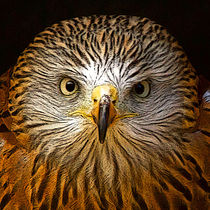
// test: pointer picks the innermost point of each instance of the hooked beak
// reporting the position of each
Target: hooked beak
(104, 112)
(104, 117)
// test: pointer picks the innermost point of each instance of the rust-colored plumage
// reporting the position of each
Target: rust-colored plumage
(104, 112)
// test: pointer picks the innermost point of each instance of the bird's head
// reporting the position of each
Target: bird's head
(106, 86)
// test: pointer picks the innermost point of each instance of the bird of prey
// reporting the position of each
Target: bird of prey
(104, 112)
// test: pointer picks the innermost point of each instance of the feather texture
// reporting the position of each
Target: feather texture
(156, 160)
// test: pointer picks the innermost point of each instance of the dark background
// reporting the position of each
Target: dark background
(187, 20)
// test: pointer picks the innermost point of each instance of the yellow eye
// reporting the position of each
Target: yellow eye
(68, 86)
(142, 89)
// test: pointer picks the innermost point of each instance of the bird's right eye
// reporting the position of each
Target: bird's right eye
(68, 86)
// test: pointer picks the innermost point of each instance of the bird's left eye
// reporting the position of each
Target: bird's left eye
(142, 89)
(68, 86)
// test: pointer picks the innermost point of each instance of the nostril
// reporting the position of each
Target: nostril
(114, 102)
(95, 100)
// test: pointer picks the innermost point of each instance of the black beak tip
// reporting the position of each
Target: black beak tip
(102, 138)
(101, 141)
(103, 118)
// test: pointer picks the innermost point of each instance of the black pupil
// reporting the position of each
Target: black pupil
(139, 88)
(70, 86)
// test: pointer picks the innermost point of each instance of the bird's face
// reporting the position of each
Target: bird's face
(121, 90)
